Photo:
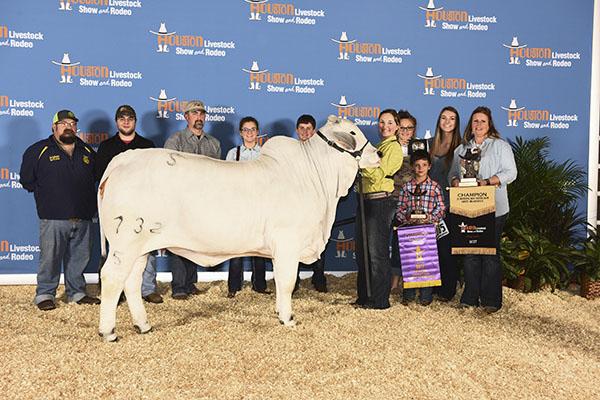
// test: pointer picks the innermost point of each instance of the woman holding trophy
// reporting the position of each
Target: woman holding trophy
(483, 273)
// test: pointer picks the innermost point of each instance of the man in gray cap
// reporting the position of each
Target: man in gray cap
(194, 140)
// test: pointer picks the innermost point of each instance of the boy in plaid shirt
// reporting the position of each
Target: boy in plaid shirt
(420, 197)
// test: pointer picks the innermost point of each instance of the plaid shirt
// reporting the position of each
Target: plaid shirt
(431, 201)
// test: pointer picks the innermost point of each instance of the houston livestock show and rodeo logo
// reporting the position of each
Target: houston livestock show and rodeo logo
(437, 84)
(437, 16)
(72, 71)
(167, 106)
(540, 118)
(15, 107)
(344, 247)
(282, 13)
(520, 53)
(17, 252)
(280, 82)
(367, 52)
(120, 8)
(360, 114)
(19, 39)
(9, 251)
(170, 42)
(9, 179)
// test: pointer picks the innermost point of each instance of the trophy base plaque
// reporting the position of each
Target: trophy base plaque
(467, 182)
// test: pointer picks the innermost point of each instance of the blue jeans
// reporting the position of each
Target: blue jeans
(426, 294)
(149, 276)
(66, 243)
(379, 215)
(235, 277)
(483, 275)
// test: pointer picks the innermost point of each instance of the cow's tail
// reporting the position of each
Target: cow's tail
(102, 236)
(115, 163)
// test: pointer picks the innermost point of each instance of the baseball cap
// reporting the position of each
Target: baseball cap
(193, 105)
(64, 114)
(125, 110)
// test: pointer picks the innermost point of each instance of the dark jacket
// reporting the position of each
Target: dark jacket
(113, 146)
(63, 186)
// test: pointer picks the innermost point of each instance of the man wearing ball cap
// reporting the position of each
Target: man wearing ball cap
(59, 170)
(192, 139)
(125, 139)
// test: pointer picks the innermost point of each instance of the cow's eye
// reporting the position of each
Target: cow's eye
(353, 133)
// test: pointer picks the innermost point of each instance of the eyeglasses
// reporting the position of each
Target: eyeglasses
(65, 123)
(248, 130)
(407, 128)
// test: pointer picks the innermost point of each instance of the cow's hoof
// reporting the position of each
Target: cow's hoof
(289, 322)
(141, 330)
(109, 337)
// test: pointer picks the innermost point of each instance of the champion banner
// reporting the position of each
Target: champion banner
(419, 256)
(472, 219)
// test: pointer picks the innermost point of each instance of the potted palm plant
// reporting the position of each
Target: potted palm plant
(544, 196)
(535, 261)
(544, 223)
(586, 260)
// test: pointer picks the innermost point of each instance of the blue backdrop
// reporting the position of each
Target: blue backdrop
(530, 62)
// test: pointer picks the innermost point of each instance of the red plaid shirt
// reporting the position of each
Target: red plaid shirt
(431, 201)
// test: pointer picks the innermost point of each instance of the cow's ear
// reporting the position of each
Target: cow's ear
(344, 140)
(332, 118)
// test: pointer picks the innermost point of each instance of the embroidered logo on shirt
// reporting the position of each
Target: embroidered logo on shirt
(86, 159)
(54, 158)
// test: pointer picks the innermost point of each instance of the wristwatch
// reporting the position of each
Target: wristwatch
(487, 182)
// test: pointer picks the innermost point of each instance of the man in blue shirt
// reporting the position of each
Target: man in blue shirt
(59, 171)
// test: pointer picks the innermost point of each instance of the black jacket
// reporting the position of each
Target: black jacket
(113, 146)
(63, 186)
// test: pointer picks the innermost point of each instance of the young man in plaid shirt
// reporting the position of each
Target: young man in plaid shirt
(420, 202)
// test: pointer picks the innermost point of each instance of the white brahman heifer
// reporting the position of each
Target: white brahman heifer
(279, 206)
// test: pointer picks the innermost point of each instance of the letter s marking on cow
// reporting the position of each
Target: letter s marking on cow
(157, 227)
(120, 218)
(116, 257)
(139, 228)
(172, 156)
